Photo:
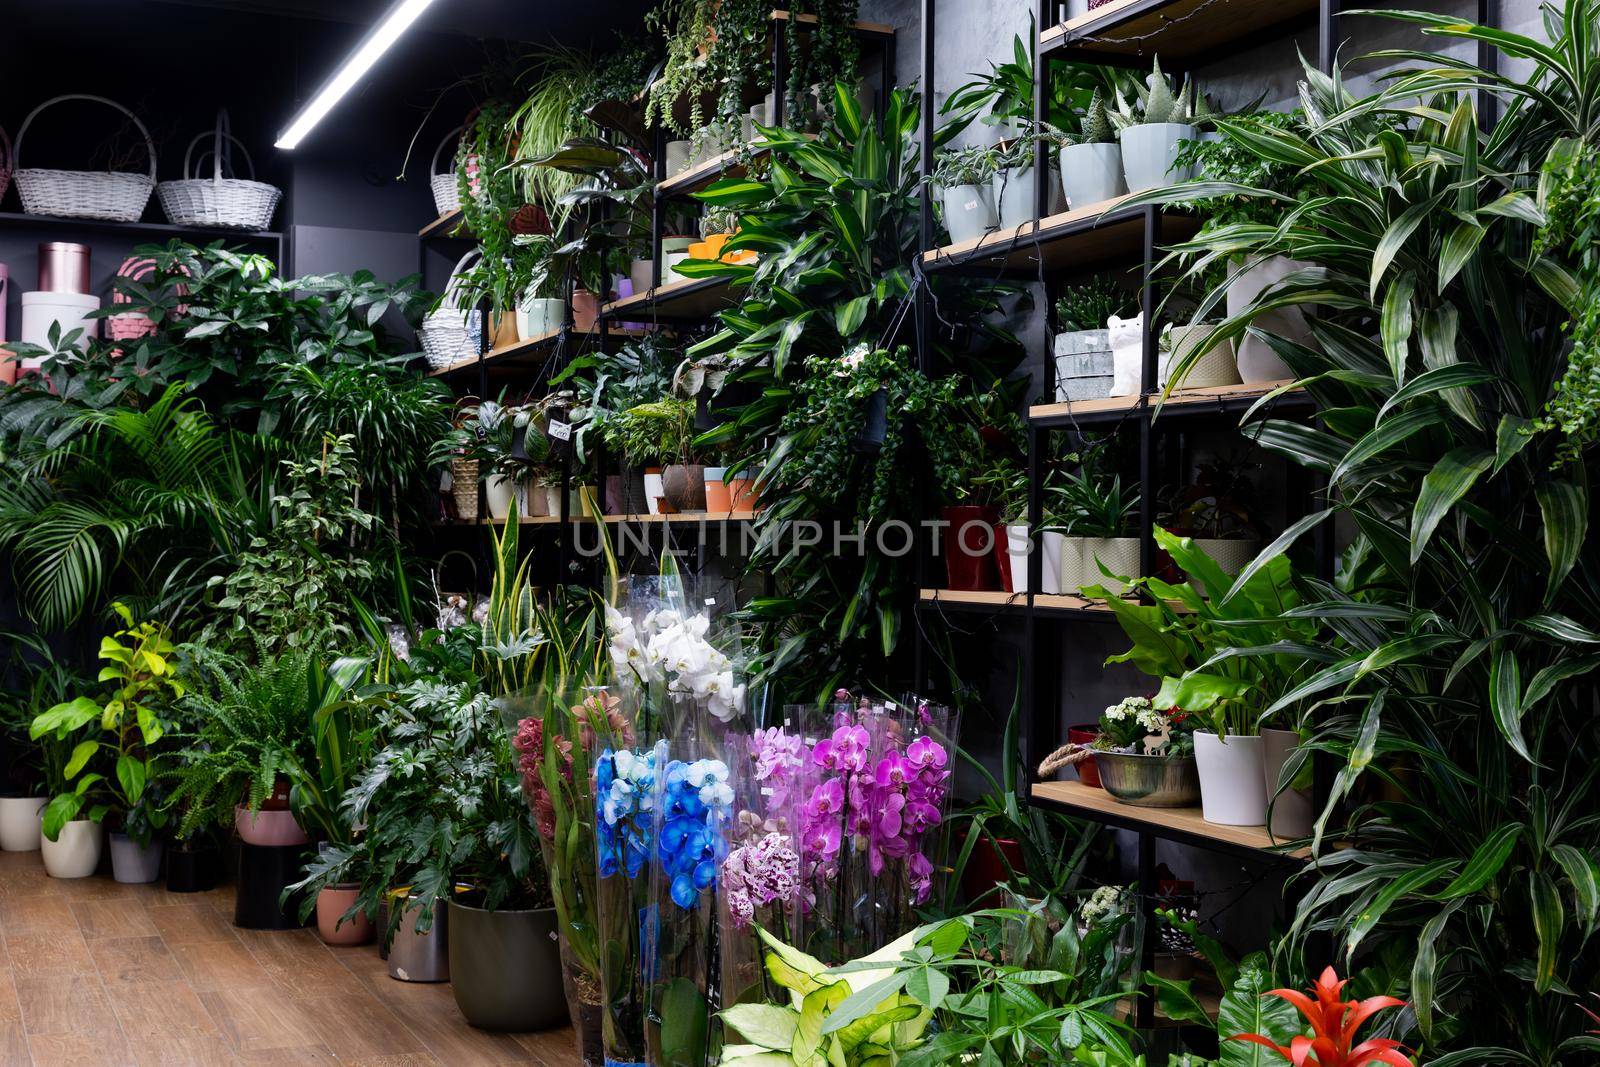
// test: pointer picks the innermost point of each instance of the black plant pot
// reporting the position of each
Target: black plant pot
(192, 868)
(505, 968)
(264, 872)
(869, 440)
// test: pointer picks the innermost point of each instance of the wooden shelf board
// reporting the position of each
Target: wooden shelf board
(443, 226)
(1183, 824)
(997, 599)
(1080, 237)
(1179, 400)
(689, 298)
(877, 29)
(726, 165)
(682, 519)
(1170, 28)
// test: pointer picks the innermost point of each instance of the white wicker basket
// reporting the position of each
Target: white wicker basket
(227, 203)
(452, 332)
(114, 196)
(5, 162)
(446, 191)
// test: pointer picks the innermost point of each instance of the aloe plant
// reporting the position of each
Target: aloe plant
(1153, 102)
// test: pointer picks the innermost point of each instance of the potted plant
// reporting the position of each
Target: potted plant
(541, 308)
(1091, 157)
(1214, 510)
(1006, 483)
(1221, 158)
(1145, 755)
(1098, 518)
(1013, 188)
(117, 765)
(484, 439)
(962, 177)
(664, 429)
(1084, 360)
(1181, 638)
(1185, 361)
(1152, 122)
(34, 763)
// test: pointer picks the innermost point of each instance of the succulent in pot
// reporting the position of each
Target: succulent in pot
(1152, 123)
(962, 176)
(1091, 158)
(1084, 361)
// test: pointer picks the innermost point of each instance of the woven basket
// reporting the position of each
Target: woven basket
(227, 203)
(5, 162)
(452, 332)
(446, 191)
(464, 487)
(114, 196)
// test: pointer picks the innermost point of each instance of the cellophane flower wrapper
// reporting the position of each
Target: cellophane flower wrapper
(760, 878)
(679, 676)
(558, 735)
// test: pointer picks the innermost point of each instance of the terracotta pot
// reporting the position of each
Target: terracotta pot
(332, 903)
(684, 486)
(719, 500)
(267, 827)
(1085, 734)
(742, 492)
(968, 547)
(585, 310)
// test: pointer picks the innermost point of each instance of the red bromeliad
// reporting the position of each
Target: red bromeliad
(1334, 1023)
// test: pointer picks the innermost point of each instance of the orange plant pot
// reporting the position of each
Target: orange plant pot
(332, 903)
(742, 493)
(719, 498)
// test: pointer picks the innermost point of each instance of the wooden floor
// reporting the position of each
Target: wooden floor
(92, 972)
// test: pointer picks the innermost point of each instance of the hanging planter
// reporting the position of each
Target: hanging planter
(443, 184)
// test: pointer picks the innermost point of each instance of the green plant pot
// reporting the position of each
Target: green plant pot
(505, 968)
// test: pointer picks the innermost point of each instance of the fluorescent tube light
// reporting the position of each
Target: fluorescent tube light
(383, 35)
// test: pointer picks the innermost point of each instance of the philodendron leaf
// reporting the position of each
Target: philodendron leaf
(766, 1025)
(1245, 1009)
(81, 754)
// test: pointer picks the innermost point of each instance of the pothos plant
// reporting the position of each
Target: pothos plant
(116, 763)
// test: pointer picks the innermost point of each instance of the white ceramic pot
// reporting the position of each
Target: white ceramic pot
(677, 158)
(1127, 355)
(539, 316)
(1232, 779)
(1216, 367)
(967, 214)
(1050, 544)
(640, 273)
(1232, 554)
(1085, 365)
(1017, 545)
(133, 863)
(19, 823)
(75, 853)
(501, 492)
(552, 500)
(653, 490)
(1091, 173)
(1119, 555)
(1290, 813)
(1014, 197)
(1257, 361)
(69, 311)
(1149, 152)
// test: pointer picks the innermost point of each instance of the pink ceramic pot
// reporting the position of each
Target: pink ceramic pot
(267, 827)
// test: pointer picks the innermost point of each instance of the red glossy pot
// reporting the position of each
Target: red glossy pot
(968, 547)
(1085, 734)
(985, 869)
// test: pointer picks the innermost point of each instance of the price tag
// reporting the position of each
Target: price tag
(970, 205)
(561, 431)
(711, 601)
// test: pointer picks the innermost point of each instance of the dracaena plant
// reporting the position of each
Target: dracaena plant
(1463, 621)
(835, 219)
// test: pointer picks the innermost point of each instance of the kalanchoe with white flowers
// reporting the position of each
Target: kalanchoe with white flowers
(1137, 725)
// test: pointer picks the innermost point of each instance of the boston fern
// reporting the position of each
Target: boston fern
(1465, 617)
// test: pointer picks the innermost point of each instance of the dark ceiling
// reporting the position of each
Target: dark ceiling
(589, 22)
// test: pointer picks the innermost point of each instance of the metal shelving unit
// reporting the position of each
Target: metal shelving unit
(1124, 33)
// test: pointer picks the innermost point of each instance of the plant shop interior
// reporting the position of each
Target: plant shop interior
(865, 533)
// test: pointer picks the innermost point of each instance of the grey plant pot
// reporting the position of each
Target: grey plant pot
(1150, 153)
(505, 968)
(423, 957)
(132, 863)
